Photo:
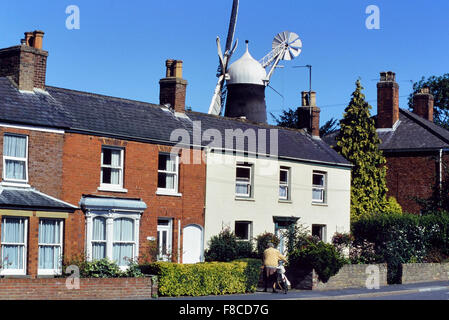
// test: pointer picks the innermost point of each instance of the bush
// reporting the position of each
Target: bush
(262, 241)
(225, 247)
(206, 278)
(103, 268)
(324, 258)
(405, 238)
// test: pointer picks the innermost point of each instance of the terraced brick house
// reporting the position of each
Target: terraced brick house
(106, 177)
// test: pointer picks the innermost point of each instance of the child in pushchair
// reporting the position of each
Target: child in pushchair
(282, 281)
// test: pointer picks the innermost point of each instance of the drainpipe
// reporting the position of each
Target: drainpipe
(440, 169)
(179, 240)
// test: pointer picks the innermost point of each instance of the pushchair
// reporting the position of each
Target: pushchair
(282, 281)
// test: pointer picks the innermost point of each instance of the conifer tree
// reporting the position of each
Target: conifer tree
(358, 142)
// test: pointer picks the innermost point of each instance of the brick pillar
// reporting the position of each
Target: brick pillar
(173, 87)
(33, 248)
(309, 114)
(423, 104)
(387, 100)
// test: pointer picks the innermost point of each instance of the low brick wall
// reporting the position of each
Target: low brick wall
(424, 272)
(89, 288)
(349, 276)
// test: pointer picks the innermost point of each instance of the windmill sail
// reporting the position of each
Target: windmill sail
(216, 105)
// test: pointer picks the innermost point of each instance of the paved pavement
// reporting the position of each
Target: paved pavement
(417, 291)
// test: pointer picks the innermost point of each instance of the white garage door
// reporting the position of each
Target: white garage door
(192, 244)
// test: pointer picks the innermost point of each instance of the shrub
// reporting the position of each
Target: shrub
(262, 241)
(225, 247)
(206, 278)
(103, 268)
(324, 258)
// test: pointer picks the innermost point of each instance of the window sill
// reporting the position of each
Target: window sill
(320, 204)
(112, 189)
(15, 184)
(285, 201)
(244, 199)
(15, 276)
(161, 192)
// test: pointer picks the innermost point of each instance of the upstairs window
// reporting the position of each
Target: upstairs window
(15, 158)
(168, 173)
(319, 187)
(284, 181)
(112, 167)
(243, 180)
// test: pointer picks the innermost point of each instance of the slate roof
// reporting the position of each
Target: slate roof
(30, 198)
(128, 119)
(411, 133)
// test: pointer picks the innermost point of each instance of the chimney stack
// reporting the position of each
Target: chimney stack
(25, 64)
(423, 103)
(173, 87)
(309, 114)
(387, 100)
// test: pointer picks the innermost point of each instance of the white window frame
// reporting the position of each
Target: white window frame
(284, 184)
(323, 231)
(111, 186)
(57, 271)
(110, 217)
(249, 225)
(168, 191)
(322, 188)
(169, 229)
(25, 248)
(5, 157)
(99, 241)
(241, 181)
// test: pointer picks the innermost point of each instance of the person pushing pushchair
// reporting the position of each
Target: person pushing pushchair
(271, 258)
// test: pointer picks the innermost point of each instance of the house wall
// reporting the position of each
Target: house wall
(81, 175)
(412, 175)
(223, 208)
(44, 158)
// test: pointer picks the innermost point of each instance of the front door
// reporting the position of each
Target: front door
(192, 244)
(164, 239)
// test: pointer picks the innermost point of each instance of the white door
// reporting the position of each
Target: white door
(164, 239)
(192, 244)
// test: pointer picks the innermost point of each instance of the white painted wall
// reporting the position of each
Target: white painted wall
(223, 209)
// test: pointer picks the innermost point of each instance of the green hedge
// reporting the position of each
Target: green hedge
(405, 238)
(206, 278)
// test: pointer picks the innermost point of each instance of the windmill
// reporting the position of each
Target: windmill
(285, 46)
(216, 105)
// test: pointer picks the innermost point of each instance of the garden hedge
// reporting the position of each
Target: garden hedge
(206, 278)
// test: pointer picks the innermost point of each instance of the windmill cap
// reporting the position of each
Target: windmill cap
(247, 70)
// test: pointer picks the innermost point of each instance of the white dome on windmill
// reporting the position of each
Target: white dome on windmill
(247, 70)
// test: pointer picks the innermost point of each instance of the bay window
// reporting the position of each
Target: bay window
(50, 246)
(14, 245)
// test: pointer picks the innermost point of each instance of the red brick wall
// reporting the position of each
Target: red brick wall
(44, 159)
(81, 175)
(409, 175)
(56, 289)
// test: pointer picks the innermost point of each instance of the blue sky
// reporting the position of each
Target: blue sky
(121, 46)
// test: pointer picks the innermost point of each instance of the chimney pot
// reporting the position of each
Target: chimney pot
(387, 100)
(423, 103)
(309, 114)
(173, 87)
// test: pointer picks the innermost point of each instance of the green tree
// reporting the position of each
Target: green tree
(439, 87)
(358, 142)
